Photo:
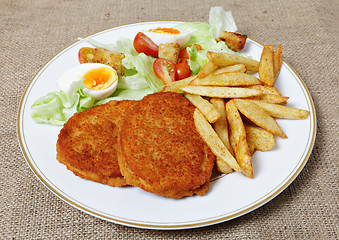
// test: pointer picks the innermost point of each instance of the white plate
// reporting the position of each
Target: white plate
(229, 197)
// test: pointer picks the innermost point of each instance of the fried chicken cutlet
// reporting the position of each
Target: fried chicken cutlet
(160, 150)
(87, 144)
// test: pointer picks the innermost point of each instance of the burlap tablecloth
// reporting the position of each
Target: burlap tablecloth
(31, 32)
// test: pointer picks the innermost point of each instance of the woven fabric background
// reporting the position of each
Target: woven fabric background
(31, 32)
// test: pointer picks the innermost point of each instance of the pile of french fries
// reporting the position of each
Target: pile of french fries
(236, 111)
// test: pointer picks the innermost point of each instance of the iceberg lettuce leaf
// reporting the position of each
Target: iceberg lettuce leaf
(144, 66)
(126, 94)
(220, 20)
(57, 107)
(199, 32)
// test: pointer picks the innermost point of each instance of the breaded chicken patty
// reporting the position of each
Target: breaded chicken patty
(87, 144)
(160, 150)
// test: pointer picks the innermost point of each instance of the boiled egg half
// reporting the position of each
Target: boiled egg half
(167, 35)
(97, 80)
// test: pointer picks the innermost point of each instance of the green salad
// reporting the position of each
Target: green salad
(139, 78)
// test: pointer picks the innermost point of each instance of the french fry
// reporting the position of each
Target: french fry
(266, 71)
(221, 92)
(206, 108)
(266, 89)
(227, 79)
(251, 148)
(207, 69)
(258, 116)
(213, 141)
(221, 125)
(234, 68)
(223, 167)
(259, 139)
(270, 98)
(227, 59)
(277, 61)
(279, 111)
(238, 134)
(175, 86)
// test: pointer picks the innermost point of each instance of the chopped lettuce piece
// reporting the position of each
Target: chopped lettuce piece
(144, 66)
(126, 94)
(199, 32)
(197, 59)
(57, 107)
(220, 20)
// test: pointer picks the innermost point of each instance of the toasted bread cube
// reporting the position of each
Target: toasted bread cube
(234, 41)
(169, 51)
(109, 58)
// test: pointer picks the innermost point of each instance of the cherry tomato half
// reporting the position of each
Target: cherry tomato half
(143, 44)
(184, 54)
(165, 70)
(183, 70)
(86, 55)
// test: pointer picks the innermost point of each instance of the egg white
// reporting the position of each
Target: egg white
(74, 76)
(158, 38)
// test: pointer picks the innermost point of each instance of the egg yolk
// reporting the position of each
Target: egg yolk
(99, 78)
(165, 30)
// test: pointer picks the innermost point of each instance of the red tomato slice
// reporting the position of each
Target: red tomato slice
(86, 55)
(183, 70)
(165, 70)
(183, 52)
(143, 44)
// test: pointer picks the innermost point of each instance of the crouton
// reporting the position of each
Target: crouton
(109, 58)
(169, 51)
(234, 41)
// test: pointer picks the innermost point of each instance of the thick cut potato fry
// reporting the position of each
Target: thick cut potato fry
(229, 79)
(279, 111)
(213, 141)
(238, 133)
(270, 98)
(259, 139)
(251, 148)
(234, 41)
(277, 61)
(221, 92)
(266, 89)
(266, 71)
(227, 59)
(221, 125)
(207, 69)
(234, 68)
(175, 86)
(258, 116)
(223, 167)
(207, 109)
